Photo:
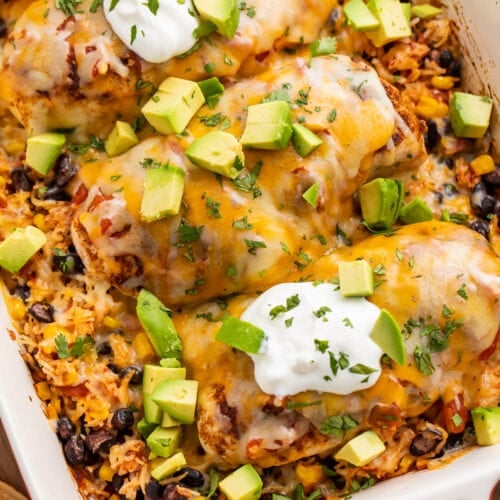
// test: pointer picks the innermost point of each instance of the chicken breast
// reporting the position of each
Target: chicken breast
(248, 233)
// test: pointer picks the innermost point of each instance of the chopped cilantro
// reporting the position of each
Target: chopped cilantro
(78, 349)
(336, 425)
(319, 313)
(361, 369)
(423, 360)
(253, 245)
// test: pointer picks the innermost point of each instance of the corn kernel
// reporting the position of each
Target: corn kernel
(443, 82)
(42, 390)
(17, 308)
(483, 164)
(428, 107)
(15, 147)
(114, 496)
(143, 347)
(106, 473)
(53, 329)
(309, 475)
(39, 221)
(111, 322)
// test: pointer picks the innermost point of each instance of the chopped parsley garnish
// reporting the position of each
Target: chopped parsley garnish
(242, 223)
(323, 46)
(284, 247)
(152, 5)
(279, 94)
(462, 292)
(247, 181)
(347, 322)
(321, 345)
(447, 312)
(343, 236)
(361, 369)
(253, 245)
(288, 322)
(188, 233)
(291, 303)
(319, 313)
(423, 360)
(150, 163)
(213, 208)
(337, 424)
(133, 34)
(331, 115)
(78, 349)
(341, 362)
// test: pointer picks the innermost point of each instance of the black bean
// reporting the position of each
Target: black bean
(23, 291)
(65, 428)
(53, 192)
(114, 368)
(136, 378)
(42, 312)
(455, 69)
(432, 135)
(477, 196)
(68, 263)
(424, 443)
(64, 170)
(104, 349)
(192, 478)
(481, 227)
(454, 440)
(122, 419)
(117, 482)
(493, 178)
(74, 450)
(339, 481)
(154, 490)
(445, 58)
(21, 180)
(99, 441)
(139, 495)
(3, 28)
(90, 458)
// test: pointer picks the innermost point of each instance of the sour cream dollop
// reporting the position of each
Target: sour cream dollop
(156, 37)
(316, 339)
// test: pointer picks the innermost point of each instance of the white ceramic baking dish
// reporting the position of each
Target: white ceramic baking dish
(471, 477)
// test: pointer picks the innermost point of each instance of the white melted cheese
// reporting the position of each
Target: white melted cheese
(154, 37)
(300, 343)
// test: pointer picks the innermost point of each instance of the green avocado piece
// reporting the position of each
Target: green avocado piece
(219, 152)
(240, 335)
(168, 421)
(486, 422)
(470, 114)
(311, 195)
(304, 140)
(416, 211)
(169, 466)
(42, 151)
(170, 363)
(268, 126)
(173, 106)
(212, 89)
(406, 11)
(393, 23)
(20, 246)
(387, 335)
(362, 449)
(242, 484)
(177, 398)
(163, 191)
(145, 428)
(425, 10)
(120, 139)
(360, 16)
(223, 13)
(164, 442)
(381, 201)
(154, 374)
(355, 278)
(158, 325)
(152, 413)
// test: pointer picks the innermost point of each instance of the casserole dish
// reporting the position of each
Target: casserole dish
(35, 444)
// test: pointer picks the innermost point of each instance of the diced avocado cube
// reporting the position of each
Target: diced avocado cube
(120, 139)
(381, 201)
(211, 87)
(304, 140)
(152, 413)
(360, 16)
(177, 398)
(168, 421)
(164, 442)
(173, 106)
(406, 11)
(486, 422)
(416, 211)
(154, 374)
(170, 363)
(362, 449)
(470, 114)
(387, 335)
(355, 278)
(393, 23)
(157, 323)
(163, 191)
(240, 335)
(169, 466)
(223, 13)
(20, 246)
(311, 195)
(219, 152)
(242, 484)
(145, 428)
(426, 10)
(42, 151)
(268, 126)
